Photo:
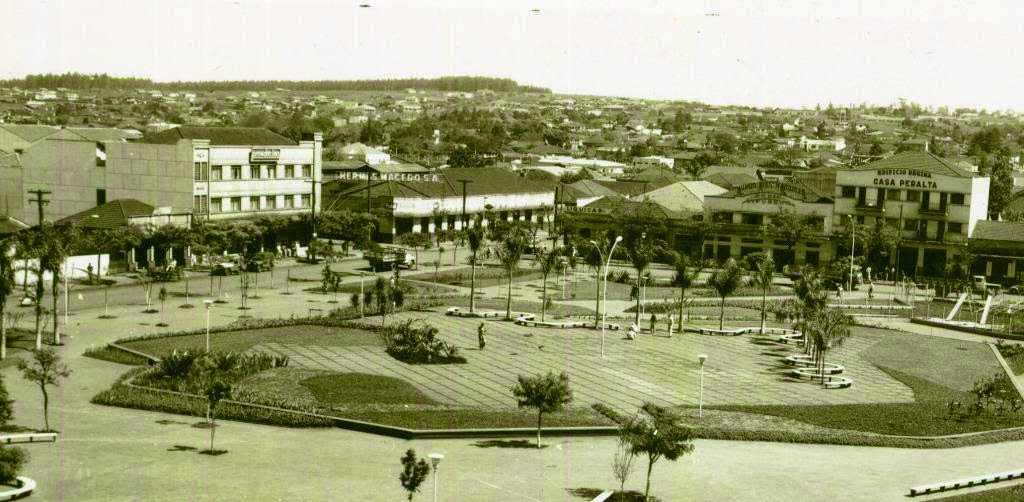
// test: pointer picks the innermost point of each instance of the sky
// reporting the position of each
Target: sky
(752, 52)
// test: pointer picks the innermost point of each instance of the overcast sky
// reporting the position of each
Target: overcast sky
(767, 52)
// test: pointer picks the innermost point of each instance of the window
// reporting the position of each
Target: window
(201, 171)
(216, 205)
(236, 172)
(304, 201)
(271, 202)
(271, 172)
(850, 192)
(752, 219)
(254, 203)
(892, 222)
(721, 217)
(913, 196)
(956, 198)
(289, 201)
(101, 155)
(199, 204)
(954, 228)
(289, 171)
(101, 196)
(910, 225)
(236, 204)
(305, 171)
(216, 173)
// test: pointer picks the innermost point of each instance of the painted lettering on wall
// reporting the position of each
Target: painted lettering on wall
(264, 155)
(426, 178)
(889, 182)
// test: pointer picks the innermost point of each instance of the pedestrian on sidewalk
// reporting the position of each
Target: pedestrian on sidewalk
(480, 332)
(871, 291)
(654, 323)
(839, 291)
(671, 324)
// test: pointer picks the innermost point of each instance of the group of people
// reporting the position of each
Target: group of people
(634, 329)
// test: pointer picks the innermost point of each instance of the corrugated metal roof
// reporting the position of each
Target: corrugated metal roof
(998, 231)
(113, 214)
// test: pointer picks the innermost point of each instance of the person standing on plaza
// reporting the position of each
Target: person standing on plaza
(654, 323)
(480, 332)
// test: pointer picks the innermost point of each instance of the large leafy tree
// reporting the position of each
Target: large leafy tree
(510, 251)
(547, 394)
(548, 261)
(659, 435)
(44, 369)
(791, 228)
(725, 281)
(762, 268)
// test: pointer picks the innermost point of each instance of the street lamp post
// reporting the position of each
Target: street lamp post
(604, 296)
(208, 303)
(435, 460)
(853, 245)
(700, 402)
(361, 295)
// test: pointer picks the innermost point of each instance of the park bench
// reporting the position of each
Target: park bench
(24, 489)
(458, 312)
(533, 323)
(721, 332)
(31, 437)
(605, 495)
(966, 482)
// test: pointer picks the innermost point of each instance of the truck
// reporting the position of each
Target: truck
(980, 286)
(386, 257)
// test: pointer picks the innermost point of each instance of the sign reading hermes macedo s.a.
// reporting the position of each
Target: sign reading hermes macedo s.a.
(264, 155)
(431, 178)
(904, 178)
(771, 192)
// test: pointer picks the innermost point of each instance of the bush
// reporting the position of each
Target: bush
(191, 370)
(11, 461)
(419, 344)
(620, 277)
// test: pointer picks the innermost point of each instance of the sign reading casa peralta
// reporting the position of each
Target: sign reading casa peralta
(904, 178)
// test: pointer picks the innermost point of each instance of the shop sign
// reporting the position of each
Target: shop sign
(904, 178)
(264, 155)
(585, 210)
(413, 177)
(773, 190)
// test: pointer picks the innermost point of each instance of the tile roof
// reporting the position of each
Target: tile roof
(684, 196)
(220, 136)
(918, 160)
(730, 180)
(998, 231)
(625, 206)
(30, 133)
(113, 214)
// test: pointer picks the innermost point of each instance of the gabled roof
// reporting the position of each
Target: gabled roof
(988, 230)
(113, 214)
(30, 133)
(730, 180)
(590, 188)
(921, 161)
(9, 159)
(220, 136)
(623, 206)
(10, 225)
(100, 133)
(684, 196)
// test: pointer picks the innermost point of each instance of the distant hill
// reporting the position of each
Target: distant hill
(104, 81)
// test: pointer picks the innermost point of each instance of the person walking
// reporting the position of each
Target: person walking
(871, 290)
(654, 323)
(480, 332)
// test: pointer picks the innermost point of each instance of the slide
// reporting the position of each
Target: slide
(988, 307)
(956, 308)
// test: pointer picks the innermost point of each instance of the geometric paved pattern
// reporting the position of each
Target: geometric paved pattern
(740, 370)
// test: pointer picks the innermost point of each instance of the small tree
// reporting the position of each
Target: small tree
(414, 472)
(383, 291)
(513, 244)
(547, 394)
(417, 241)
(11, 459)
(640, 255)
(548, 261)
(458, 240)
(44, 369)
(622, 464)
(147, 288)
(660, 435)
(215, 391)
(725, 281)
(686, 273)
(763, 268)
(475, 237)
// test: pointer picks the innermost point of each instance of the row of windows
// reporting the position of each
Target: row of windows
(203, 171)
(851, 192)
(758, 219)
(254, 203)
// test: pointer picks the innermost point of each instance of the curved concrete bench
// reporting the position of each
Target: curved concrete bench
(966, 482)
(552, 324)
(458, 312)
(832, 381)
(804, 360)
(721, 332)
(870, 307)
(524, 316)
(791, 337)
(811, 373)
(24, 489)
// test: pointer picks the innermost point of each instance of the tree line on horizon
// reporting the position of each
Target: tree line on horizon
(103, 81)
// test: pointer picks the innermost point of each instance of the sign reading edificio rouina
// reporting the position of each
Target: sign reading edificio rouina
(906, 179)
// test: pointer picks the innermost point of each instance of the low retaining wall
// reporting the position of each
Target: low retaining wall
(966, 482)
(24, 489)
(31, 437)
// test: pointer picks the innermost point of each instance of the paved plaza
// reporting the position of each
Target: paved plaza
(740, 370)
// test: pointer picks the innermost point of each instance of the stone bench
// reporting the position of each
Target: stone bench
(458, 312)
(24, 489)
(533, 323)
(721, 332)
(811, 373)
(32, 437)
(804, 360)
(966, 482)
(791, 337)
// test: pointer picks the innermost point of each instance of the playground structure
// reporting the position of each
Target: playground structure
(986, 316)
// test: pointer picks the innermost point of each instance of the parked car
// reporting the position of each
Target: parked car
(981, 286)
(1016, 289)
(224, 268)
(259, 264)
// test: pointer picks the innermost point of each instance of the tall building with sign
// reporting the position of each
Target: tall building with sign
(741, 223)
(221, 172)
(933, 203)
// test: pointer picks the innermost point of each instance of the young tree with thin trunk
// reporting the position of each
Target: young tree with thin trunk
(44, 369)
(725, 281)
(686, 273)
(513, 244)
(640, 255)
(593, 260)
(548, 261)
(215, 391)
(475, 237)
(622, 464)
(417, 241)
(660, 435)
(762, 267)
(7, 285)
(547, 394)
(414, 472)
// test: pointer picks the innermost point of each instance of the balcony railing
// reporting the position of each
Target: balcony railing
(876, 207)
(933, 211)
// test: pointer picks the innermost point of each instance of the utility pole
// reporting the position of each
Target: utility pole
(464, 220)
(554, 216)
(40, 201)
(39, 272)
(312, 206)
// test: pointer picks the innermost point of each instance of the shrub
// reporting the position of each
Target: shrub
(11, 462)
(419, 344)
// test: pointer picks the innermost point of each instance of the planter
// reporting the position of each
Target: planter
(24, 489)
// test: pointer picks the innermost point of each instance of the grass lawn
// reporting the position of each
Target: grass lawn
(240, 341)
(938, 372)
(485, 276)
(554, 311)
(20, 341)
(413, 288)
(481, 418)
(358, 388)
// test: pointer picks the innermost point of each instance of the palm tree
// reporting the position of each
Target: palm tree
(826, 329)
(57, 245)
(7, 285)
(593, 260)
(725, 281)
(686, 273)
(475, 239)
(763, 268)
(509, 253)
(548, 261)
(640, 255)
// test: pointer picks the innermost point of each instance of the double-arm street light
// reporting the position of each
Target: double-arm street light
(604, 315)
